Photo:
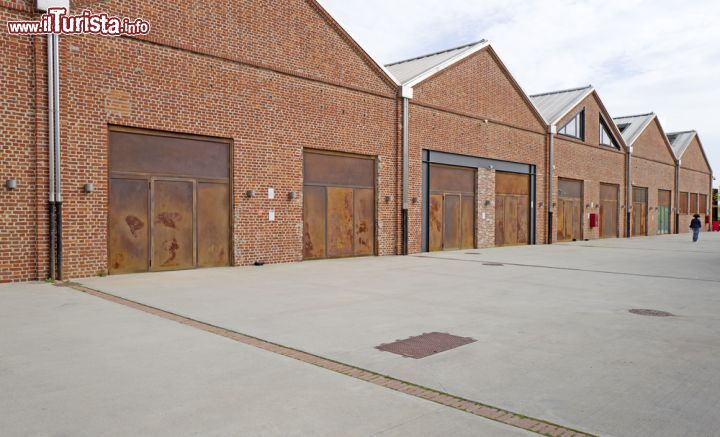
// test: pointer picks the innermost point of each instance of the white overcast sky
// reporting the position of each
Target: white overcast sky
(661, 56)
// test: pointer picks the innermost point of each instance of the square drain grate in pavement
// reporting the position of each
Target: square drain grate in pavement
(425, 345)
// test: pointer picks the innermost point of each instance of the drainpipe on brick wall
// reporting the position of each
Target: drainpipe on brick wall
(677, 197)
(51, 154)
(551, 183)
(58, 186)
(628, 194)
(406, 94)
(55, 191)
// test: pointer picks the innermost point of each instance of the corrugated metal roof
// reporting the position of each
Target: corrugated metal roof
(680, 141)
(632, 126)
(405, 71)
(554, 105)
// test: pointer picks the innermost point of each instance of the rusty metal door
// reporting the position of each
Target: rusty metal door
(452, 208)
(169, 205)
(452, 216)
(338, 205)
(609, 209)
(173, 224)
(128, 238)
(640, 211)
(663, 212)
(213, 224)
(512, 209)
(570, 210)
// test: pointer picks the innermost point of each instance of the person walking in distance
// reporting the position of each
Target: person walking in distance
(695, 225)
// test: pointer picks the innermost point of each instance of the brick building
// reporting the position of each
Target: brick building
(193, 138)
(477, 155)
(253, 131)
(695, 178)
(589, 165)
(653, 195)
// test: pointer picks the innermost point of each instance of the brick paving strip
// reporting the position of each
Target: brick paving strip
(497, 414)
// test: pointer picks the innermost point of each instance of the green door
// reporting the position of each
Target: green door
(663, 210)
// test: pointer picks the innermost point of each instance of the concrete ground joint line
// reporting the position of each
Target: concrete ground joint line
(572, 269)
(377, 379)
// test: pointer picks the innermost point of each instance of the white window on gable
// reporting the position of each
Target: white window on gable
(575, 127)
(605, 137)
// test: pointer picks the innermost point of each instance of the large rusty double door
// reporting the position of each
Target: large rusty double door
(338, 205)
(452, 208)
(169, 205)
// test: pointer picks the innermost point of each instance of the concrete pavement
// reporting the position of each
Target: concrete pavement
(73, 364)
(555, 339)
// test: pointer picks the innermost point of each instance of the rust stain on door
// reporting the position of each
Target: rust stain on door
(173, 238)
(339, 222)
(364, 209)
(451, 222)
(436, 223)
(213, 224)
(128, 233)
(314, 222)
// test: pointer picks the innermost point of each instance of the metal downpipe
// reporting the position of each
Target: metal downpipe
(628, 195)
(58, 185)
(405, 173)
(551, 184)
(51, 154)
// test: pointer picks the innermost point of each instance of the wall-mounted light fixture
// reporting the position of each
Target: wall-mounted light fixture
(540, 204)
(11, 184)
(487, 203)
(292, 195)
(414, 200)
(388, 199)
(89, 187)
(250, 193)
(491, 167)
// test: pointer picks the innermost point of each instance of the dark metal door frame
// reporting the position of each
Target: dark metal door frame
(453, 159)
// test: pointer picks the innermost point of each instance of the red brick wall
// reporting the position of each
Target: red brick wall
(653, 167)
(472, 108)
(591, 163)
(271, 112)
(695, 177)
(18, 208)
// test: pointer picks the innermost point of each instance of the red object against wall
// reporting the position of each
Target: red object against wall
(593, 220)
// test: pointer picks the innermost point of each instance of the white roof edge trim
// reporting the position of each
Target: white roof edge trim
(642, 129)
(589, 91)
(434, 70)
